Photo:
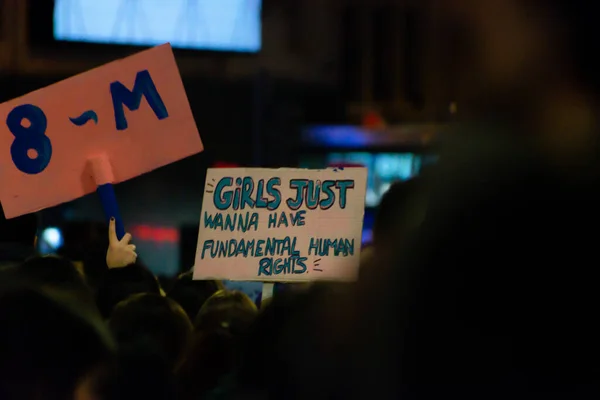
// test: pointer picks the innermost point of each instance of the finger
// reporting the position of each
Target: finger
(126, 239)
(112, 232)
(133, 258)
(131, 247)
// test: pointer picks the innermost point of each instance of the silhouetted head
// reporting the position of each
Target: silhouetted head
(492, 298)
(57, 273)
(120, 283)
(155, 322)
(153, 335)
(191, 294)
(221, 325)
(213, 355)
(232, 311)
(52, 270)
(304, 334)
(398, 211)
(50, 346)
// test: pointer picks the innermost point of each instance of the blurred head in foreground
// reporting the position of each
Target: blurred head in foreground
(398, 213)
(153, 320)
(60, 274)
(153, 336)
(51, 348)
(531, 63)
(304, 333)
(120, 283)
(230, 310)
(191, 294)
(221, 327)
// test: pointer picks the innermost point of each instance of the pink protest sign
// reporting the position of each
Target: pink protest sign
(132, 112)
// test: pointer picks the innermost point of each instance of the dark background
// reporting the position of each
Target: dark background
(323, 62)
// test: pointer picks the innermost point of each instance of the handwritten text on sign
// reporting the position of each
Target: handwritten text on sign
(135, 111)
(281, 224)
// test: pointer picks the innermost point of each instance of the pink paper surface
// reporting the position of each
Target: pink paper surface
(146, 144)
(244, 264)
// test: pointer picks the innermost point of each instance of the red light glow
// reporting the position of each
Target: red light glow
(155, 234)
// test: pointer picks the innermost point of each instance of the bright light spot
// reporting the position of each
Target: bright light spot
(384, 188)
(53, 237)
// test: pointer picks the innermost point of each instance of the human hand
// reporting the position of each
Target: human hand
(120, 253)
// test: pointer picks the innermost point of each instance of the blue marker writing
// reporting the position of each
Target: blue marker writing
(143, 87)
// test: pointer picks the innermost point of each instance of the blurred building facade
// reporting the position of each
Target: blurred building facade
(299, 42)
(392, 61)
(379, 54)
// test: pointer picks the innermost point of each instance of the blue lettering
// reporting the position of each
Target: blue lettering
(29, 137)
(276, 266)
(222, 249)
(280, 265)
(343, 186)
(286, 246)
(209, 221)
(327, 202)
(237, 193)
(270, 247)
(261, 202)
(143, 87)
(272, 191)
(322, 247)
(208, 244)
(253, 222)
(247, 189)
(294, 251)
(231, 222)
(222, 201)
(259, 248)
(301, 263)
(282, 220)
(272, 220)
(265, 267)
(313, 192)
(300, 185)
(313, 246)
(298, 218)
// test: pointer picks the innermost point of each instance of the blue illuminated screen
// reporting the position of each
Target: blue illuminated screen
(383, 169)
(218, 25)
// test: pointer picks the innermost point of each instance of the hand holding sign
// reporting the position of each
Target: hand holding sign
(120, 252)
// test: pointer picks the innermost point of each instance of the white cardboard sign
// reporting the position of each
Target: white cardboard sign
(281, 225)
